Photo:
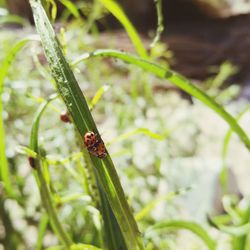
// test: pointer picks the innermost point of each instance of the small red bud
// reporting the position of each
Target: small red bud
(64, 117)
(32, 162)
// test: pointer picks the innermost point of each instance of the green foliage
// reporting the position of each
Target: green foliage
(176, 79)
(42, 178)
(85, 205)
(79, 111)
(235, 223)
(191, 226)
(116, 10)
(5, 65)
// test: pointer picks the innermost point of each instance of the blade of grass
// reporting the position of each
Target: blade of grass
(75, 247)
(160, 26)
(41, 231)
(114, 8)
(53, 9)
(95, 14)
(41, 182)
(227, 138)
(4, 169)
(28, 152)
(177, 80)
(98, 96)
(58, 247)
(232, 230)
(10, 57)
(112, 235)
(239, 241)
(191, 226)
(137, 131)
(13, 19)
(77, 107)
(4, 68)
(71, 7)
(83, 247)
(74, 197)
(149, 207)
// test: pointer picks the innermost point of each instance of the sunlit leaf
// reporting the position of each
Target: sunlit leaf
(98, 96)
(150, 206)
(78, 109)
(137, 131)
(191, 226)
(175, 78)
(83, 247)
(5, 65)
(117, 11)
(71, 7)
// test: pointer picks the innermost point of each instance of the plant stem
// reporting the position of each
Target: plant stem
(160, 26)
(175, 78)
(50, 208)
(77, 107)
(40, 179)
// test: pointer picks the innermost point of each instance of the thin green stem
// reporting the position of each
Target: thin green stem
(224, 172)
(46, 195)
(191, 226)
(4, 68)
(117, 11)
(177, 80)
(78, 109)
(4, 169)
(160, 26)
(50, 208)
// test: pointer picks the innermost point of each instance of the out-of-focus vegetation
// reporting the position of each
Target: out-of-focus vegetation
(172, 154)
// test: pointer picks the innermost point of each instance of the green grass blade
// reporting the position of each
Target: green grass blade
(98, 96)
(36, 122)
(71, 7)
(117, 11)
(137, 131)
(229, 134)
(83, 247)
(160, 25)
(28, 152)
(77, 106)
(226, 142)
(41, 231)
(232, 230)
(4, 68)
(53, 9)
(150, 206)
(40, 178)
(112, 233)
(191, 226)
(4, 169)
(177, 80)
(13, 19)
(58, 247)
(10, 57)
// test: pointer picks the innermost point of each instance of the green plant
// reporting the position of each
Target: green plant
(103, 194)
(79, 111)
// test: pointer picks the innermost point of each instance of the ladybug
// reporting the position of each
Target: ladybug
(94, 144)
(90, 138)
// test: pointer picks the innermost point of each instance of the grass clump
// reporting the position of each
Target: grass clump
(152, 136)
